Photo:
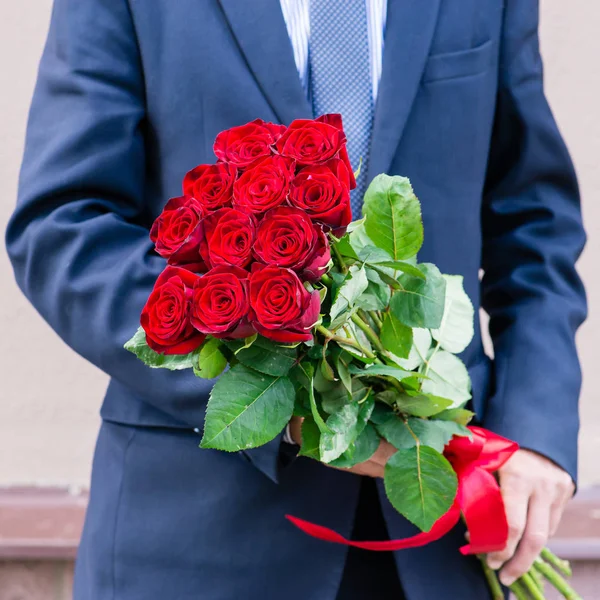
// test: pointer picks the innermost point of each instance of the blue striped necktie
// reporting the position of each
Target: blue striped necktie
(341, 76)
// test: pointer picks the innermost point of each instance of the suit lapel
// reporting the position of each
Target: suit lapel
(261, 33)
(409, 32)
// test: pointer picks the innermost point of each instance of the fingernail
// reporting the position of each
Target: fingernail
(506, 579)
(494, 563)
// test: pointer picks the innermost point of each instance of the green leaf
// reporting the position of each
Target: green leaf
(420, 484)
(326, 370)
(418, 352)
(420, 303)
(433, 433)
(346, 425)
(351, 331)
(311, 437)
(342, 360)
(354, 285)
(302, 403)
(237, 345)
(211, 362)
(448, 378)
(456, 330)
(309, 372)
(342, 432)
(377, 295)
(399, 265)
(395, 336)
(268, 357)
(381, 413)
(361, 450)
(393, 216)
(416, 405)
(395, 372)
(386, 278)
(247, 409)
(174, 362)
(363, 246)
(458, 415)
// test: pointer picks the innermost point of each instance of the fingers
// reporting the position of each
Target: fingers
(533, 540)
(368, 469)
(558, 506)
(516, 498)
(374, 467)
(383, 453)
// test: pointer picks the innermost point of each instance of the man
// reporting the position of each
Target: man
(130, 96)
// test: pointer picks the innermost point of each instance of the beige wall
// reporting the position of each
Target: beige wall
(49, 397)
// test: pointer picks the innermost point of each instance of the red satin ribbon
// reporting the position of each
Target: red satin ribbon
(478, 498)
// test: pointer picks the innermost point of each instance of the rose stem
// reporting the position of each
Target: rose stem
(556, 580)
(371, 335)
(326, 280)
(562, 566)
(366, 315)
(517, 589)
(492, 579)
(537, 577)
(531, 586)
(344, 341)
(373, 314)
(342, 264)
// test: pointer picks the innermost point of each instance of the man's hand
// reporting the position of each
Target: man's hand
(371, 468)
(535, 492)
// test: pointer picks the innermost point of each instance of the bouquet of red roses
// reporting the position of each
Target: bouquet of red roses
(330, 320)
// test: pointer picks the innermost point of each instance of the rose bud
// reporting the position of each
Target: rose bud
(241, 146)
(176, 233)
(229, 236)
(211, 185)
(313, 142)
(286, 237)
(264, 185)
(166, 315)
(281, 308)
(322, 191)
(220, 303)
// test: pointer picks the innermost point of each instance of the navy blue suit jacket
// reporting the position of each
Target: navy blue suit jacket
(132, 93)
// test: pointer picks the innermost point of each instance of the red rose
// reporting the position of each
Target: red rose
(264, 185)
(313, 142)
(286, 237)
(228, 238)
(335, 120)
(166, 316)
(176, 232)
(211, 185)
(322, 191)
(281, 308)
(241, 146)
(220, 303)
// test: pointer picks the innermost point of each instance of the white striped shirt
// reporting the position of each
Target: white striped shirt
(297, 20)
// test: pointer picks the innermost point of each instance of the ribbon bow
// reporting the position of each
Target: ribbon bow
(478, 498)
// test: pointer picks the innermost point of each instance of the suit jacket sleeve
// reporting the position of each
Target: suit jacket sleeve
(533, 235)
(78, 239)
